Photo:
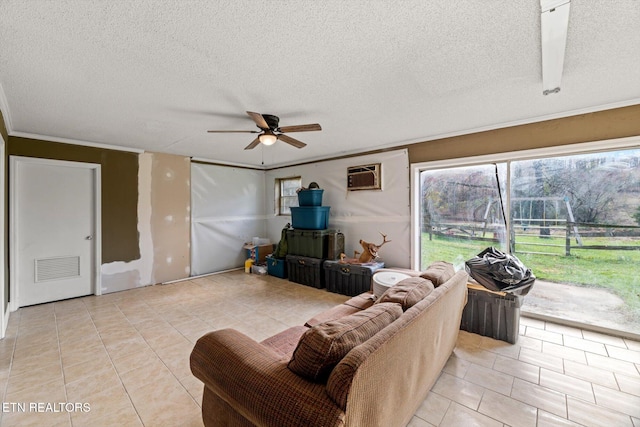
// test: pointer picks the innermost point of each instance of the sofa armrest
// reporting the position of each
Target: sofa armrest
(255, 381)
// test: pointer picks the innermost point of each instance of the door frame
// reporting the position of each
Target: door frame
(14, 161)
(4, 316)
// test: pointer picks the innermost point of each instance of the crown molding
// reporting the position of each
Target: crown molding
(207, 161)
(4, 107)
(74, 142)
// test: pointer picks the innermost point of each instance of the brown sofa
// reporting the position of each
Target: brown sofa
(381, 381)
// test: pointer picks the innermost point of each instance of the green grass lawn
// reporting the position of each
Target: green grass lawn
(616, 270)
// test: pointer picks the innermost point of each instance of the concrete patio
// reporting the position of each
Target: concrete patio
(591, 308)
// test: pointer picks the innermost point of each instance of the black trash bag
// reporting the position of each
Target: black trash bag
(498, 271)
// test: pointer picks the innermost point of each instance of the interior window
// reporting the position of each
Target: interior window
(286, 194)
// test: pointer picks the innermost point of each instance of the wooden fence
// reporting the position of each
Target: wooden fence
(572, 231)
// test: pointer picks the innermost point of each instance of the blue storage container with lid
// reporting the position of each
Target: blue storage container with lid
(310, 197)
(310, 217)
(276, 267)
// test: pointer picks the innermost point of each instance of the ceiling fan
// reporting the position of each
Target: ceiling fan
(270, 131)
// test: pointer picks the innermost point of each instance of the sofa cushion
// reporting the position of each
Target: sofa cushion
(439, 272)
(285, 342)
(353, 305)
(407, 292)
(323, 346)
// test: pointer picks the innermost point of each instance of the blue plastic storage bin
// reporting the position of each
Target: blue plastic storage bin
(310, 197)
(310, 217)
(276, 267)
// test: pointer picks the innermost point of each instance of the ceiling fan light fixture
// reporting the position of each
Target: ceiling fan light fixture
(268, 138)
(268, 125)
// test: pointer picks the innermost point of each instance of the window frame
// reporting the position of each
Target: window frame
(506, 157)
(280, 209)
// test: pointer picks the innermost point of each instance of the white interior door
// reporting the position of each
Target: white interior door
(54, 227)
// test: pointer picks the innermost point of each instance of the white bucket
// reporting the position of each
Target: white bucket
(383, 280)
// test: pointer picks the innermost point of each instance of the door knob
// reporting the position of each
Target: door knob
(88, 238)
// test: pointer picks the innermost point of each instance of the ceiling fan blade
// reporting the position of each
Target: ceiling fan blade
(233, 131)
(300, 128)
(260, 121)
(291, 141)
(253, 144)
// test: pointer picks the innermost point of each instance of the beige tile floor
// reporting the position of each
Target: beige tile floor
(124, 358)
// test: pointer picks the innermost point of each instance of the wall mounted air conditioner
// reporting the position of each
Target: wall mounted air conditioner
(366, 177)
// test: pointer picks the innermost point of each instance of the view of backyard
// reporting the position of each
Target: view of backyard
(572, 220)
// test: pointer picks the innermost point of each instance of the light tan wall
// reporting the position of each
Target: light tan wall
(170, 216)
(599, 126)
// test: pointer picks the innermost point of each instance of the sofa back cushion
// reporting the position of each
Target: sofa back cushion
(439, 272)
(407, 292)
(385, 378)
(323, 346)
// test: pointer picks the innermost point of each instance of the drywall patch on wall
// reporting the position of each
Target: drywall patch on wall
(170, 198)
(163, 225)
(358, 214)
(119, 275)
(145, 239)
(122, 281)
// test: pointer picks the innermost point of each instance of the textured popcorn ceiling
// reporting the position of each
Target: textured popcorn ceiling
(156, 75)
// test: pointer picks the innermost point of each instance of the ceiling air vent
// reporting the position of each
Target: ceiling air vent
(367, 177)
(57, 268)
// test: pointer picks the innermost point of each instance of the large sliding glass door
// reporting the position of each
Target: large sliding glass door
(461, 212)
(573, 219)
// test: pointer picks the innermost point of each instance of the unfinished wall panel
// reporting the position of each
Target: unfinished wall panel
(170, 216)
(227, 207)
(358, 214)
(120, 275)
(163, 226)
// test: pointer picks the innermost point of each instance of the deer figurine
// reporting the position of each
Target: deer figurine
(370, 252)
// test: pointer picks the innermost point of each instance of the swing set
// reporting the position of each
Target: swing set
(550, 223)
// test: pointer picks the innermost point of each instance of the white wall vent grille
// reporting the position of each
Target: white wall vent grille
(57, 268)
